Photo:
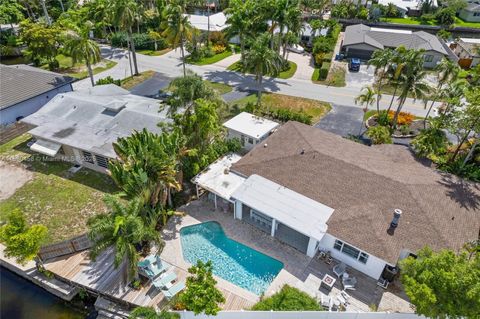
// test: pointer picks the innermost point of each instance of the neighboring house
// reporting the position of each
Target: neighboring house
(314, 190)
(407, 7)
(360, 41)
(81, 126)
(468, 52)
(25, 89)
(471, 13)
(249, 129)
(216, 22)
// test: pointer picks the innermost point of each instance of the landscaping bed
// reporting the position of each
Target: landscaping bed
(211, 59)
(52, 196)
(284, 74)
(408, 125)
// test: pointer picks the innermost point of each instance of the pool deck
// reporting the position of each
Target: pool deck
(299, 270)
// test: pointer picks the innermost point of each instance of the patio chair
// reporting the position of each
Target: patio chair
(326, 302)
(349, 282)
(170, 293)
(339, 269)
(164, 280)
(152, 266)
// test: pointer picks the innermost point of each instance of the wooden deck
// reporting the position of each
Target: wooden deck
(102, 278)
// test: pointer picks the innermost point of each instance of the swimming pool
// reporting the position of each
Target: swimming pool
(232, 261)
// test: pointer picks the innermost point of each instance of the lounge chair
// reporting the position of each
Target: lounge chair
(339, 269)
(326, 302)
(170, 293)
(343, 298)
(152, 266)
(164, 280)
(349, 282)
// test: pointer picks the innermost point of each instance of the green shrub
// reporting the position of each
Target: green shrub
(323, 72)
(285, 115)
(430, 143)
(142, 41)
(379, 135)
(328, 57)
(288, 299)
(108, 80)
(383, 119)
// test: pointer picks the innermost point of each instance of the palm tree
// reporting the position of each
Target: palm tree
(447, 72)
(123, 229)
(413, 80)
(366, 98)
(124, 14)
(381, 59)
(80, 47)
(261, 60)
(395, 71)
(178, 28)
(241, 17)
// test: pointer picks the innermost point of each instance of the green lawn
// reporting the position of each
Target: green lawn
(316, 109)
(53, 197)
(132, 81)
(78, 70)
(414, 20)
(153, 52)
(336, 77)
(212, 59)
(220, 88)
(237, 67)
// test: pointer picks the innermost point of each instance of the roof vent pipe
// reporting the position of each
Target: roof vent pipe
(396, 217)
(302, 151)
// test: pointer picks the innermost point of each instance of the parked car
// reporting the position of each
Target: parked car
(354, 65)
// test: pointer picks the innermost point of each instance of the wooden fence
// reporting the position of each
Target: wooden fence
(10, 132)
(66, 247)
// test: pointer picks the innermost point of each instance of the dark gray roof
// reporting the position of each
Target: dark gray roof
(93, 119)
(392, 38)
(21, 82)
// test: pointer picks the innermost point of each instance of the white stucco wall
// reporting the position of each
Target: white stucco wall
(373, 267)
(247, 146)
(30, 106)
(437, 57)
(468, 16)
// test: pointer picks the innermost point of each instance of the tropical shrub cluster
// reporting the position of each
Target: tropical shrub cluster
(403, 118)
(288, 299)
(379, 134)
(22, 241)
(108, 80)
(142, 41)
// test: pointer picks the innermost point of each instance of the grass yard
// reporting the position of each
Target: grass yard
(132, 81)
(237, 67)
(53, 197)
(210, 60)
(220, 88)
(154, 53)
(316, 109)
(336, 77)
(460, 23)
(414, 20)
(79, 70)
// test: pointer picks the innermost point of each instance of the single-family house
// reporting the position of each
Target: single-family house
(407, 7)
(368, 206)
(471, 13)
(468, 52)
(360, 41)
(249, 129)
(25, 89)
(81, 126)
(213, 22)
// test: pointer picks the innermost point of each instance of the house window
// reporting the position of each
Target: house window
(87, 157)
(250, 140)
(101, 161)
(476, 14)
(351, 251)
(428, 58)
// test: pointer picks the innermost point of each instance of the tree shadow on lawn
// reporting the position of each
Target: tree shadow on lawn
(244, 81)
(47, 165)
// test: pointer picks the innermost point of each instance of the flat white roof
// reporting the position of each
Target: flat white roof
(391, 30)
(214, 179)
(405, 4)
(470, 40)
(283, 204)
(251, 125)
(218, 21)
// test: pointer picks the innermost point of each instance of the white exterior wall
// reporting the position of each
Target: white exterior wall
(373, 267)
(10, 114)
(247, 146)
(437, 57)
(469, 16)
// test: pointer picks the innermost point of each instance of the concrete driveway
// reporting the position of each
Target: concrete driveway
(150, 87)
(342, 120)
(362, 78)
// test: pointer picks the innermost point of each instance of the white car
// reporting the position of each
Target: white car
(296, 48)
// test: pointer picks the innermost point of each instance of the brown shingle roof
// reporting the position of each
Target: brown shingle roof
(364, 185)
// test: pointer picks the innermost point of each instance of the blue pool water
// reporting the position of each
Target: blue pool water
(232, 261)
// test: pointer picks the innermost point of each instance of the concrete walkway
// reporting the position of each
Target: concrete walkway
(225, 63)
(304, 63)
(170, 65)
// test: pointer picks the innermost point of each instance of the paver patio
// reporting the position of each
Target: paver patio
(299, 270)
